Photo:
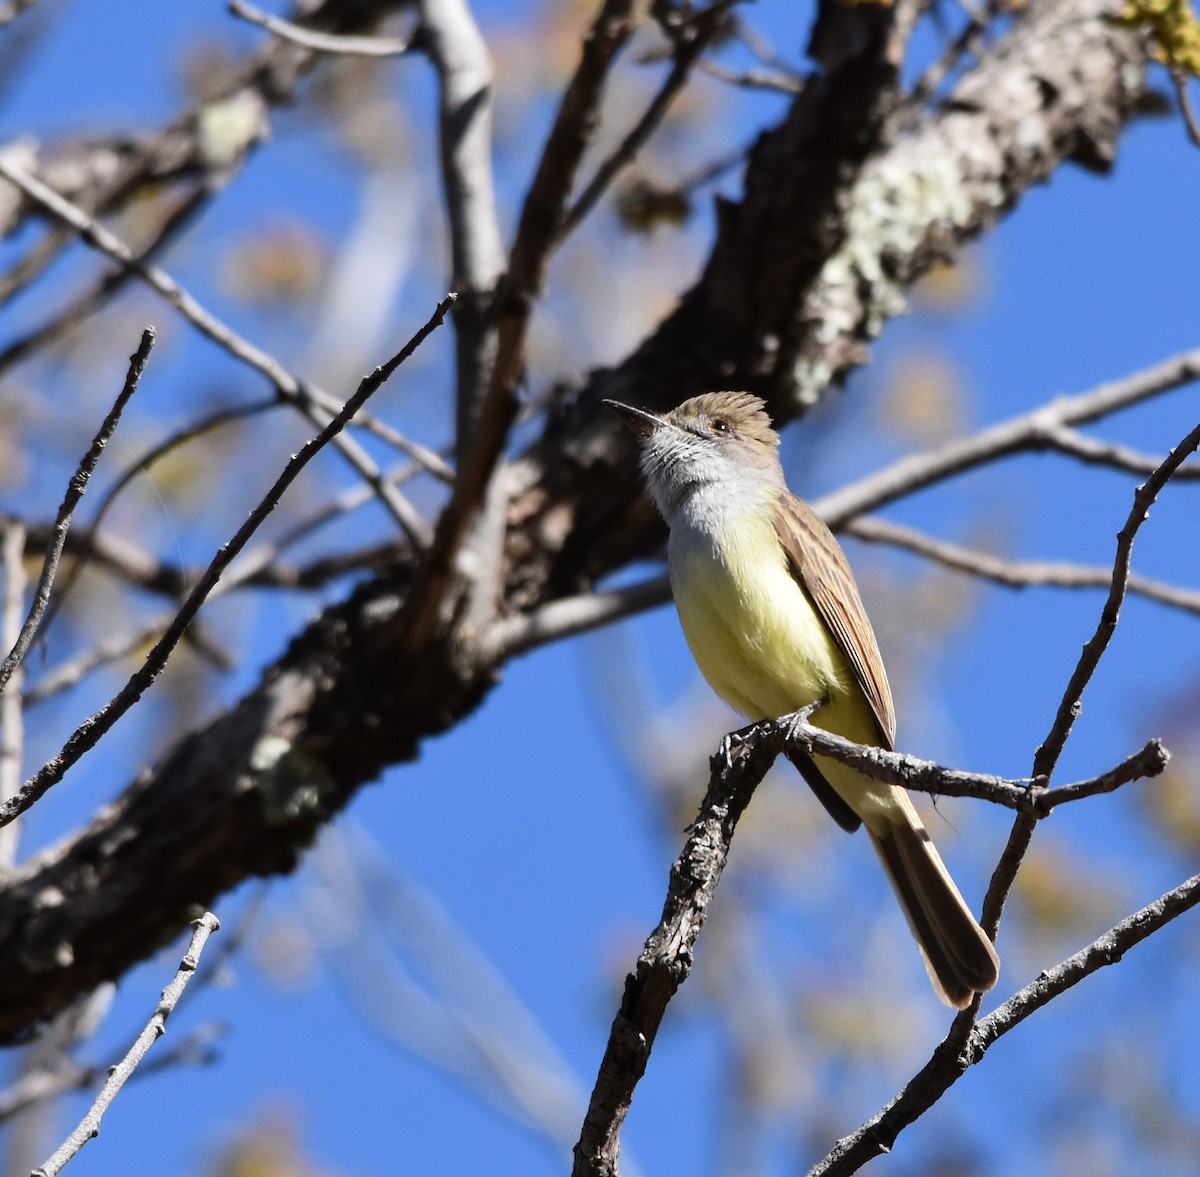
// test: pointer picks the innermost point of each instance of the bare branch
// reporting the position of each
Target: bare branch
(958, 1052)
(1046, 757)
(89, 1126)
(316, 40)
(1069, 708)
(538, 232)
(62, 522)
(574, 615)
(456, 47)
(1031, 431)
(1119, 457)
(92, 729)
(925, 776)
(1014, 573)
(12, 721)
(315, 404)
(666, 959)
(690, 41)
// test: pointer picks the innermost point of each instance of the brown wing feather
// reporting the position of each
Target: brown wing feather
(819, 566)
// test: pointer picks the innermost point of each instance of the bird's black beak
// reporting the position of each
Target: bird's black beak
(638, 421)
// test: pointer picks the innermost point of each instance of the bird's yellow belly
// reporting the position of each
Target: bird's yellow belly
(758, 639)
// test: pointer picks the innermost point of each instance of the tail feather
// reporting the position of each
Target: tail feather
(959, 957)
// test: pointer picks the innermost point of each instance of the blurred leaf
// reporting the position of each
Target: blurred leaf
(286, 263)
(643, 206)
(1064, 897)
(925, 398)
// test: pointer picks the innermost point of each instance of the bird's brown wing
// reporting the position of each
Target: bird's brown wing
(819, 566)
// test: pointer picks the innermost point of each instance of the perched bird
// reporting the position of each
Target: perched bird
(774, 620)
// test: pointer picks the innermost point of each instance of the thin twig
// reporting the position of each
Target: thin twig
(321, 42)
(951, 1060)
(926, 776)
(73, 671)
(313, 402)
(689, 45)
(89, 1127)
(92, 729)
(1046, 757)
(1069, 708)
(62, 522)
(1028, 432)
(754, 79)
(12, 720)
(1118, 457)
(1014, 573)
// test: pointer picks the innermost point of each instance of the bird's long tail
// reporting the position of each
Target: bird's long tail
(958, 955)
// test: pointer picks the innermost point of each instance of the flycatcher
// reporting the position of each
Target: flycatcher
(774, 620)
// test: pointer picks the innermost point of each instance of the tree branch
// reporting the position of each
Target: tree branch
(318, 41)
(1015, 573)
(666, 959)
(315, 404)
(62, 522)
(89, 1127)
(957, 1054)
(92, 729)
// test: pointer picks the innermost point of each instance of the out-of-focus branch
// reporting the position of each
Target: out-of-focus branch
(62, 522)
(1118, 457)
(89, 1126)
(449, 34)
(1014, 573)
(92, 729)
(1029, 432)
(569, 616)
(88, 303)
(73, 671)
(12, 722)
(538, 232)
(690, 40)
(315, 404)
(316, 40)
(953, 1057)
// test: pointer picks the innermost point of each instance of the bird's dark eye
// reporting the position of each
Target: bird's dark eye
(721, 426)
